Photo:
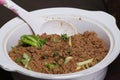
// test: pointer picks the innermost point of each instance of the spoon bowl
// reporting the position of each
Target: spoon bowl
(58, 27)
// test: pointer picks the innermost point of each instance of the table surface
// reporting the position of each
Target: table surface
(6, 15)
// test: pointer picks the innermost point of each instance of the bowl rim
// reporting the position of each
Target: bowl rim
(115, 51)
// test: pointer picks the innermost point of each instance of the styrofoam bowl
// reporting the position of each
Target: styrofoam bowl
(100, 22)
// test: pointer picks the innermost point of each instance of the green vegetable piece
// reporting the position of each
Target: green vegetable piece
(25, 60)
(69, 51)
(50, 66)
(26, 56)
(43, 56)
(64, 37)
(55, 53)
(54, 40)
(18, 60)
(32, 40)
(67, 59)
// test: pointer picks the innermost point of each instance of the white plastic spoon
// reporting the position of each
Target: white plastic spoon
(36, 24)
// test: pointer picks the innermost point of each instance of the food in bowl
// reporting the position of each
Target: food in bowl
(59, 54)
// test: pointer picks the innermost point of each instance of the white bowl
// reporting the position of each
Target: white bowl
(100, 22)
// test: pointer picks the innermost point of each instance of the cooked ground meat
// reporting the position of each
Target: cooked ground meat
(61, 54)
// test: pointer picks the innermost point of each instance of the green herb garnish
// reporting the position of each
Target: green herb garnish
(25, 60)
(42, 42)
(64, 37)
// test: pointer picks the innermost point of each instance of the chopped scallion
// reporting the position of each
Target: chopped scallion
(67, 59)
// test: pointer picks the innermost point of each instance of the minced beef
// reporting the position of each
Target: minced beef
(59, 55)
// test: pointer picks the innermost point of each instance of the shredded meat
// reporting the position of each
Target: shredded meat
(84, 46)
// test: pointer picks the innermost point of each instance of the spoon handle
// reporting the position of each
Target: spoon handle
(13, 7)
(33, 21)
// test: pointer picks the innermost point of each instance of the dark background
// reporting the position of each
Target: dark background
(110, 6)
